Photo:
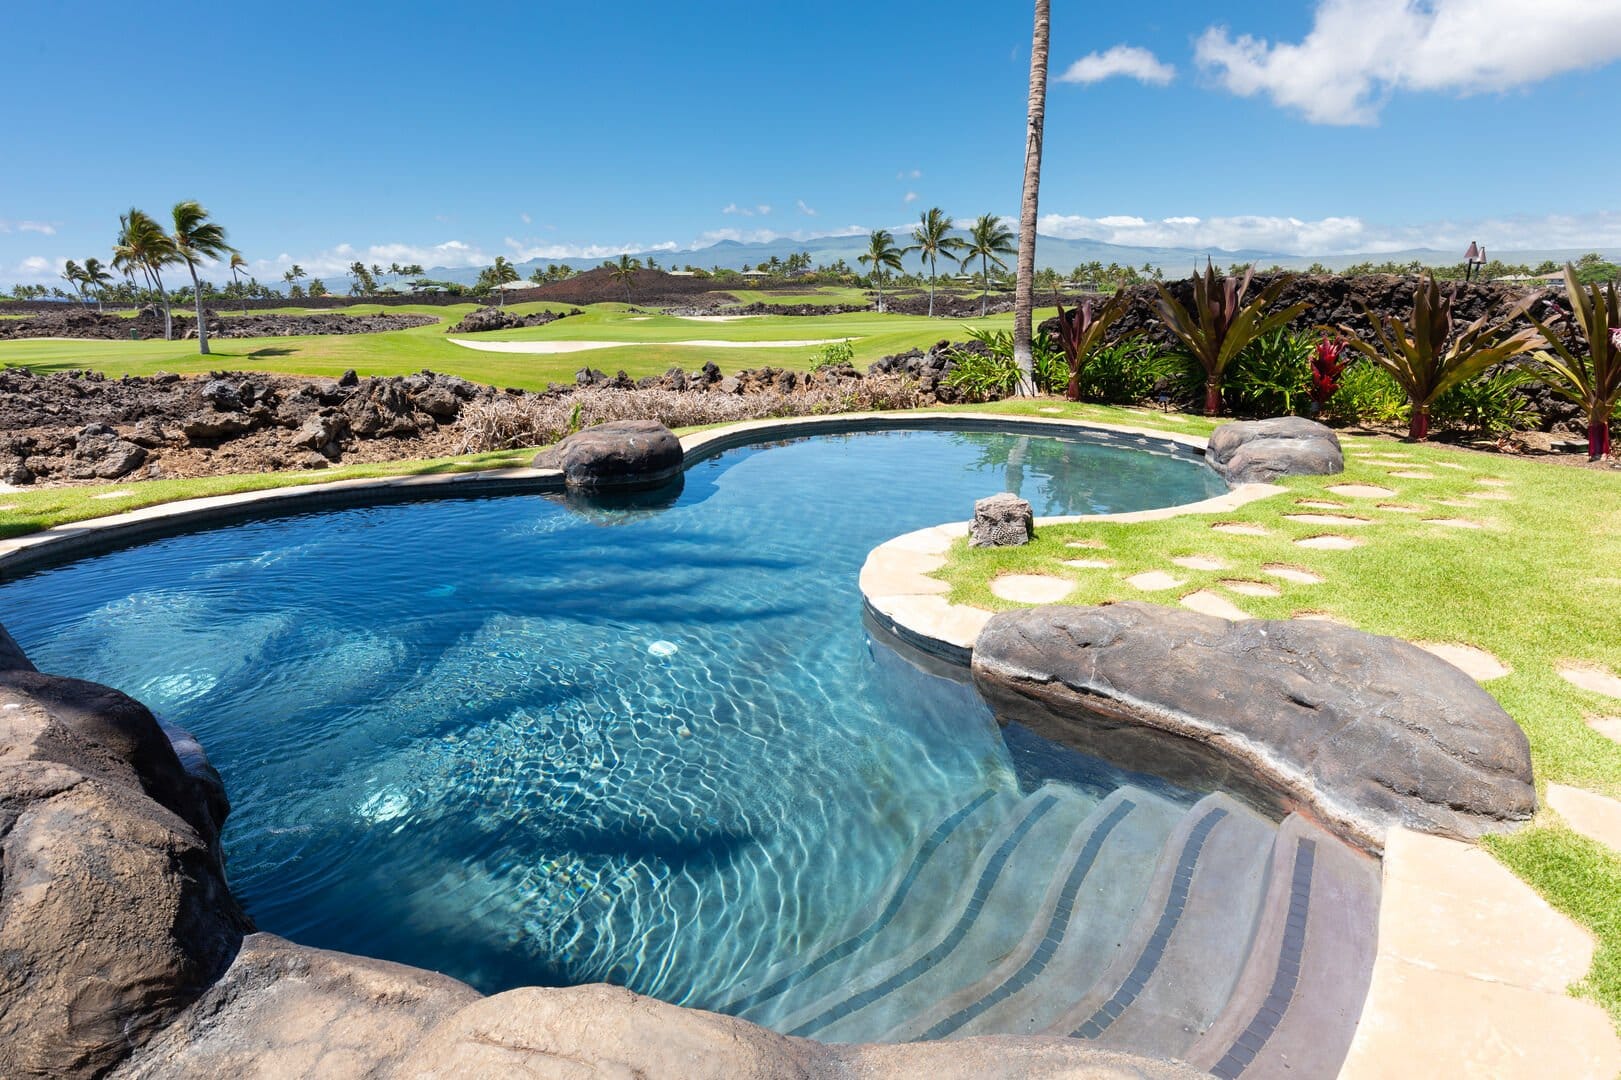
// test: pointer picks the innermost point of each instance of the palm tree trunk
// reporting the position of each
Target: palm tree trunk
(1024, 292)
(163, 295)
(985, 296)
(878, 280)
(931, 288)
(202, 323)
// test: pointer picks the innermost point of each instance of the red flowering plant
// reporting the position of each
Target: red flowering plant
(1326, 369)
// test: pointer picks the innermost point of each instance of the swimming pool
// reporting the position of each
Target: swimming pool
(543, 740)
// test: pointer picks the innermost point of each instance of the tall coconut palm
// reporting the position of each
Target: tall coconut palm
(143, 245)
(1024, 295)
(883, 255)
(624, 272)
(239, 263)
(503, 274)
(195, 239)
(988, 241)
(73, 274)
(932, 239)
(96, 278)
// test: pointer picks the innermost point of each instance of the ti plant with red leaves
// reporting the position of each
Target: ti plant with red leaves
(1326, 369)
(1592, 381)
(1427, 358)
(1080, 333)
(1223, 324)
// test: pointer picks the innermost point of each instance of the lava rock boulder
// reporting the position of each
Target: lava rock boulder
(1003, 520)
(1361, 732)
(619, 454)
(1260, 451)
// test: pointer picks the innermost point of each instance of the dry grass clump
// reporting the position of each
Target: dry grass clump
(513, 422)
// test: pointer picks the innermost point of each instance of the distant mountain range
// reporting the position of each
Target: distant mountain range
(1051, 251)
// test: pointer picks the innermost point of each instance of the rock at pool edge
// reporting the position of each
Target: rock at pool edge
(1260, 451)
(618, 454)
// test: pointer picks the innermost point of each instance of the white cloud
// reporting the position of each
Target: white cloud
(763, 209)
(766, 236)
(34, 264)
(524, 252)
(808, 211)
(1360, 52)
(526, 219)
(733, 208)
(909, 174)
(1122, 61)
(334, 262)
(911, 197)
(1339, 235)
(44, 228)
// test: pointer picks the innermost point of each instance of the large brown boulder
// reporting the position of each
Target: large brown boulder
(1260, 451)
(1360, 732)
(114, 912)
(618, 454)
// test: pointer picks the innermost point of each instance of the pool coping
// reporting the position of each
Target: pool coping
(1472, 964)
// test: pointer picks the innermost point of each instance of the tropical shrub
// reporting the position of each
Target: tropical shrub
(1367, 394)
(1272, 377)
(1326, 369)
(1127, 372)
(1593, 381)
(992, 372)
(1427, 359)
(1223, 323)
(1080, 334)
(835, 354)
(1487, 405)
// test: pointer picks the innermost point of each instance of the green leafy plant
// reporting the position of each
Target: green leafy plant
(994, 373)
(1593, 381)
(1223, 323)
(1272, 377)
(834, 354)
(1428, 359)
(1080, 334)
(1489, 405)
(1367, 394)
(1127, 372)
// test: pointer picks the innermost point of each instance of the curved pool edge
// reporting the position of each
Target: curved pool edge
(898, 589)
(63, 543)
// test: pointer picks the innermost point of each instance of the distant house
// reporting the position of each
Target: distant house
(755, 274)
(682, 273)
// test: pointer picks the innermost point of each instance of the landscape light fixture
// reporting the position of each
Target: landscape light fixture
(1473, 259)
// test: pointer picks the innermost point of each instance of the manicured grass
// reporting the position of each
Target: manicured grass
(400, 352)
(1536, 585)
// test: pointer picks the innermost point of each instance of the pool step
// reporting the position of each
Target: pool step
(1016, 886)
(1083, 923)
(1190, 941)
(1295, 1007)
(902, 912)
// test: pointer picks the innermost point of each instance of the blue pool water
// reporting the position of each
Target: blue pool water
(529, 740)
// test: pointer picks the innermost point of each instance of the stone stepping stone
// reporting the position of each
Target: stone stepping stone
(1594, 816)
(1238, 528)
(1088, 564)
(1095, 545)
(1607, 726)
(1326, 519)
(1154, 581)
(1476, 663)
(1320, 616)
(1454, 523)
(1593, 680)
(1491, 481)
(1361, 491)
(1292, 573)
(1329, 543)
(1251, 588)
(1458, 504)
(1049, 408)
(1398, 508)
(1032, 588)
(1199, 562)
(1209, 603)
(1319, 504)
(1413, 474)
(1450, 465)
(1490, 496)
(113, 494)
(1391, 454)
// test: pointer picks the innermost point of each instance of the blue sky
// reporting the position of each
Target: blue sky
(414, 132)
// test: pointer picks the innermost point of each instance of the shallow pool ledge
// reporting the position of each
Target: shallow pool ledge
(900, 593)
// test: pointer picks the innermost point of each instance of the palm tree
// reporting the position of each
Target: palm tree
(503, 274)
(143, 245)
(195, 238)
(292, 275)
(988, 241)
(74, 275)
(883, 255)
(95, 276)
(933, 239)
(624, 272)
(1024, 288)
(237, 263)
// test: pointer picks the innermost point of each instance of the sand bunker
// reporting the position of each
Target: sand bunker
(555, 348)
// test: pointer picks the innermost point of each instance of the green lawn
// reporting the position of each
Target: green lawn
(403, 351)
